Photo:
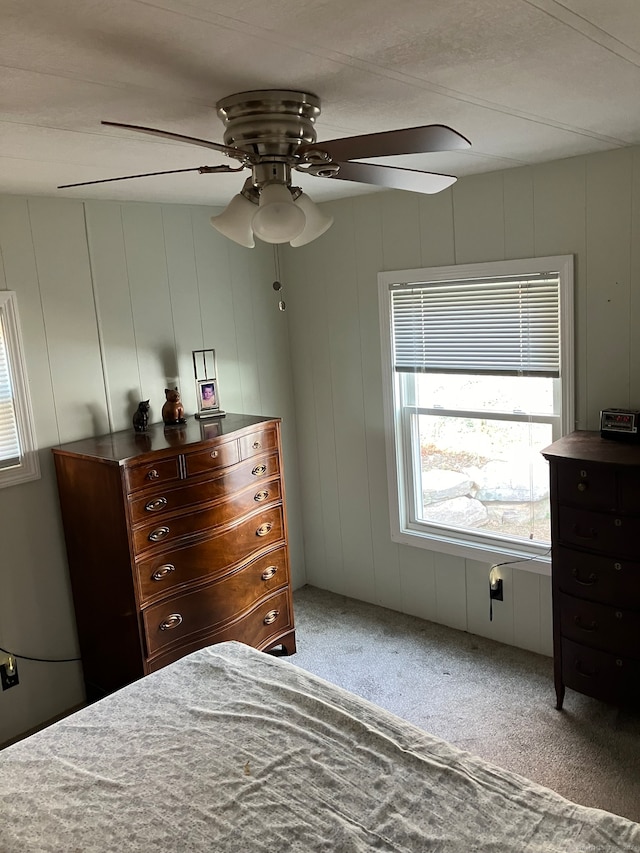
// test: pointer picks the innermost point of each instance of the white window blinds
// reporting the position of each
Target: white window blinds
(9, 443)
(501, 326)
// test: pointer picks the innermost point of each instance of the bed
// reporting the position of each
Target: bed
(235, 751)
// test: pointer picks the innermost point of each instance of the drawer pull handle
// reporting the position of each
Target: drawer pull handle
(618, 522)
(214, 454)
(261, 496)
(264, 529)
(577, 665)
(271, 617)
(582, 487)
(171, 622)
(268, 573)
(591, 533)
(158, 534)
(155, 505)
(617, 567)
(591, 626)
(256, 445)
(259, 470)
(583, 474)
(152, 474)
(618, 614)
(593, 578)
(162, 572)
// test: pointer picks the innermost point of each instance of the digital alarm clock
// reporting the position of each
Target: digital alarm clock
(621, 424)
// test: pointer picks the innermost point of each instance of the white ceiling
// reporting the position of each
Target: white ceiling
(526, 81)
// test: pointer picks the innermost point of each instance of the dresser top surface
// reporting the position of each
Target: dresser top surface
(128, 444)
(591, 447)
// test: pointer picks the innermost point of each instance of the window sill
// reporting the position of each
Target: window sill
(28, 470)
(535, 559)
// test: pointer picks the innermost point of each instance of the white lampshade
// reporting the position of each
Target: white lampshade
(278, 219)
(317, 221)
(235, 221)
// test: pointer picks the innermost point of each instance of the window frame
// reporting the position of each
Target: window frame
(465, 543)
(28, 468)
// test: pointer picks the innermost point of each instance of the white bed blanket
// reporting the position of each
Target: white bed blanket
(234, 751)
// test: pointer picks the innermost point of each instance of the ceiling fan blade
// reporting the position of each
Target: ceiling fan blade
(202, 169)
(409, 140)
(179, 137)
(392, 177)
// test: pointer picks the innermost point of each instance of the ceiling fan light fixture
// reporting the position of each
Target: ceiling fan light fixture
(278, 218)
(235, 221)
(317, 222)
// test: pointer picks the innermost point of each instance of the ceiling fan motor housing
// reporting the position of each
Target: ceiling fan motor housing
(270, 122)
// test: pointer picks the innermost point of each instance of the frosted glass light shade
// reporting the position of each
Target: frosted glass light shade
(317, 222)
(235, 221)
(278, 219)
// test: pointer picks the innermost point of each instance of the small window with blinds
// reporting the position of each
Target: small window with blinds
(18, 457)
(477, 364)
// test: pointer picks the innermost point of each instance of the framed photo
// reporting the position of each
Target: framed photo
(207, 394)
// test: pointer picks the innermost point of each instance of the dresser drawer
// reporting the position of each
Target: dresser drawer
(242, 589)
(151, 473)
(608, 533)
(265, 623)
(212, 557)
(218, 456)
(597, 578)
(629, 490)
(258, 442)
(587, 484)
(162, 531)
(608, 628)
(600, 674)
(170, 623)
(164, 501)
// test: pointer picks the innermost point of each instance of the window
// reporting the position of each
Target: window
(18, 457)
(477, 369)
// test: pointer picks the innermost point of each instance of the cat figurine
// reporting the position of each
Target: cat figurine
(141, 416)
(173, 410)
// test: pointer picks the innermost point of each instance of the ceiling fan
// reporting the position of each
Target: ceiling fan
(271, 132)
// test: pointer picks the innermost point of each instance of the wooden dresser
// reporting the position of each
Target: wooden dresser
(176, 539)
(595, 531)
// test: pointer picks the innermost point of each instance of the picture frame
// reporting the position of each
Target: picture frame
(207, 392)
(207, 395)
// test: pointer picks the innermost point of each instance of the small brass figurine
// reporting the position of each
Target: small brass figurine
(141, 416)
(173, 410)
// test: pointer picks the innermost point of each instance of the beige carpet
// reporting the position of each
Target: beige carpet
(490, 699)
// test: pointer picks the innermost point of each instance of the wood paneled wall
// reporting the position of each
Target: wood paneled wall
(113, 298)
(588, 207)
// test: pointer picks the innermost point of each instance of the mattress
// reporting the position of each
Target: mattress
(233, 750)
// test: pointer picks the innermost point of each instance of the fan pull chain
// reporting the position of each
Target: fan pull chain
(277, 284)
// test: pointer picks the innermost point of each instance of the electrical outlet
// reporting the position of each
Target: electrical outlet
(9, 673)
(495, 590)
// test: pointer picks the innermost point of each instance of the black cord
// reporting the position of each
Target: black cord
(510, 563)
(525, 560)
(40, 660)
